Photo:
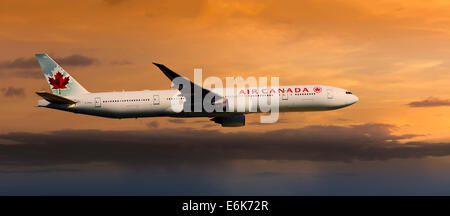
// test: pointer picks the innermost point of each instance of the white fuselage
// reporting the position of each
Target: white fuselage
(151, 103)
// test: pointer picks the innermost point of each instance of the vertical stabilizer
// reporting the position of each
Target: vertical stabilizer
(60, 82)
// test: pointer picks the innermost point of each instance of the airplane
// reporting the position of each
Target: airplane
(68, 95)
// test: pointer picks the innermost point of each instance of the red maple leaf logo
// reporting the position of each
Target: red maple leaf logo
(317, 89)
(59, 82)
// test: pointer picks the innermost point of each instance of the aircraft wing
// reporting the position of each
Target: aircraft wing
(172, 75)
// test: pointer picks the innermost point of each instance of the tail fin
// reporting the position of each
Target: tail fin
(60, 82)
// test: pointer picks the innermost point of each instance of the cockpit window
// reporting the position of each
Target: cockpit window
(347, 92)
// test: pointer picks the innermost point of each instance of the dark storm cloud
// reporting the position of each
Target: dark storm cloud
(177, 121)
(28, 63)
(34, 171)
(176, 146)
(430, 102)
(29, 67)
(76, 60)
(189, 121)
(13, 92)
(19, 63)
(153, 124)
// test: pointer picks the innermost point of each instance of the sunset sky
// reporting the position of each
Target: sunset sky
(394, 55)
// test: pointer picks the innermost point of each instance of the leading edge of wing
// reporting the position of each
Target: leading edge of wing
(172, 75)
(169, 73)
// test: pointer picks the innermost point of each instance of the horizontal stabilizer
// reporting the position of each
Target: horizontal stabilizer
(52, 98)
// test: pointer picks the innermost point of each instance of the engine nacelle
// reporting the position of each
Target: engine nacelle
(230, 121)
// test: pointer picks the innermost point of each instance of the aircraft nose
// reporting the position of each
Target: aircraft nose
(354, 99)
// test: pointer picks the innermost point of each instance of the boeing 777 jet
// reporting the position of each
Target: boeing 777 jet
(68, 95)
